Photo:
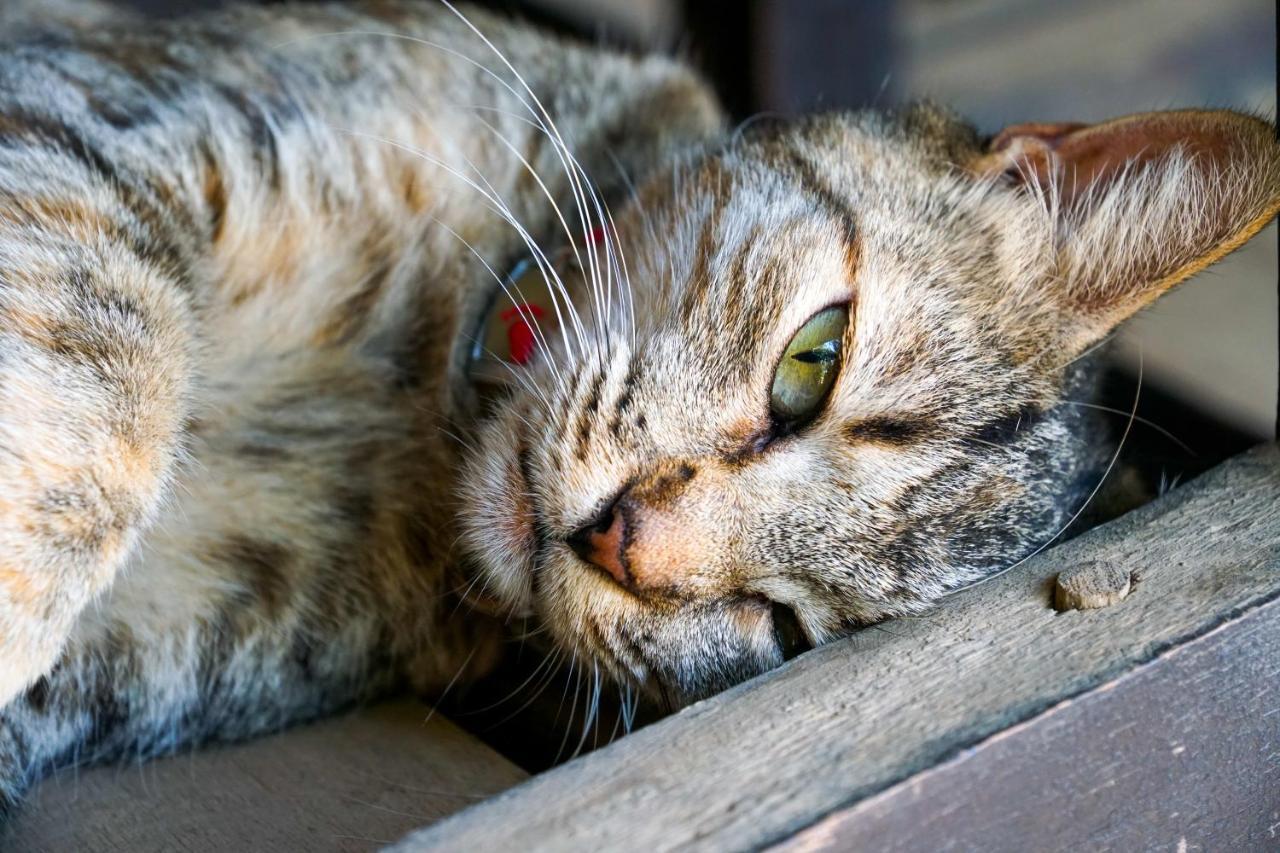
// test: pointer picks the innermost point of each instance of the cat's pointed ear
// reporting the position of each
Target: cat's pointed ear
(1140, 203)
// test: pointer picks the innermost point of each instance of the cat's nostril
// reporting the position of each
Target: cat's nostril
(603, 544)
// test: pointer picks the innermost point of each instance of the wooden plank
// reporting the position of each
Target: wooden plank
(763, 761)
(1181, 754)
(352, 783)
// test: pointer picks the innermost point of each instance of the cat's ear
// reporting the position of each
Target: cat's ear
(1140, 203)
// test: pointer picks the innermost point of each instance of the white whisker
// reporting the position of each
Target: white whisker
(573, 169)
(517, 298)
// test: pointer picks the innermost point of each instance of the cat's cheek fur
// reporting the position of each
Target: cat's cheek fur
(498, 519)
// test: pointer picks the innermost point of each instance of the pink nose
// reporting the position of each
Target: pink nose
(603, 544)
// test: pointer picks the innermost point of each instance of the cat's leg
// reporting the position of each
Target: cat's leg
(94, 375)
(198, 644)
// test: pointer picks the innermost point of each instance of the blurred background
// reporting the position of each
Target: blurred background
(1213, 343)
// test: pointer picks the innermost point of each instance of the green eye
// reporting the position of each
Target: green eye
(809, 366)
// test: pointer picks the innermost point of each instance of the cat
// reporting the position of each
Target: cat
(332, 338)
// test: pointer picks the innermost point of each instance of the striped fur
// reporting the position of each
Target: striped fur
(958, 437)
(244, 480)
(235, 267)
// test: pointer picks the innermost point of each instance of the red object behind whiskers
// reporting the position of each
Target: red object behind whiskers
(520, 320)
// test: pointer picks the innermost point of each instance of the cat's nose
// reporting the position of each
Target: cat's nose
(603, 543)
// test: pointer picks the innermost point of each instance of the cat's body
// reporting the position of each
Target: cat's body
(242, 261)
(234, 282)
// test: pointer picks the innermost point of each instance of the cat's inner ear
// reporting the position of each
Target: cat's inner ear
(1139, 203)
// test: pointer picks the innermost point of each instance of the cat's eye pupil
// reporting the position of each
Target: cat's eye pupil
(827, 353)
(808, 367)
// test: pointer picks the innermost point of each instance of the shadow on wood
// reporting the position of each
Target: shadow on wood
(351, 783)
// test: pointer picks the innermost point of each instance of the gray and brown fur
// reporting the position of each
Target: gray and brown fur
(232, 296)
(959, 436)
(244, 481)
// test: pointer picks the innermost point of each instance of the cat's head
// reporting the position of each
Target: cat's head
(839, 384)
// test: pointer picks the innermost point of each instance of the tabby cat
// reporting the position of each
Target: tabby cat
(332, 337)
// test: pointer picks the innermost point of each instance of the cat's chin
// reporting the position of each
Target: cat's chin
(498, 521)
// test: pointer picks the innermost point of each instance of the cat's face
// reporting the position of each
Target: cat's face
(834, 391)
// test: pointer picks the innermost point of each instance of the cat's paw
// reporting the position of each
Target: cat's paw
(93, 387)
(71, 496)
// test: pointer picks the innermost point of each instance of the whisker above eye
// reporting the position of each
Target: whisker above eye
(571, 165)
(545, 267)
(550, 199)
(573, 171)
(602, 235)
(592, 211)
(502, 284)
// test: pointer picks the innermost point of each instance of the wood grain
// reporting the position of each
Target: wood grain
(352, 783)
(1181, 754)
(764, 761)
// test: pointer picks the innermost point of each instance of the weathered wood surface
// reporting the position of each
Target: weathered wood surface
(1181, 754)
(760, 763)
(352, 783)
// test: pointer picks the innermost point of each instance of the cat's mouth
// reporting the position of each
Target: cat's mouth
(676, 652)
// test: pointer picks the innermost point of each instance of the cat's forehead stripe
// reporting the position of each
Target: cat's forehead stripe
(699, 284)
(817, 187)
